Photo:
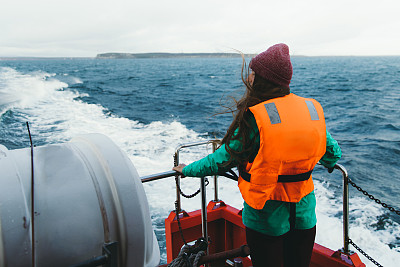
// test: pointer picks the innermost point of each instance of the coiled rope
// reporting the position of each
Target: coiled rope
(190, 256)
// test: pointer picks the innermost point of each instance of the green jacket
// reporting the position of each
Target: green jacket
(273, 218)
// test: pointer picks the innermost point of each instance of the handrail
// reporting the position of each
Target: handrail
(162, 175)
(158, 176)
(197, 144)
(202, 186)
(176, 163)
(345, 208)
(339, 167)
(177, 180)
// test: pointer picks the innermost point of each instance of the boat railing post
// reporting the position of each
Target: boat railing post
(204, 210)
(176, 163)
(178, 182)
(215, 176)
(345, 208)
(202, 186)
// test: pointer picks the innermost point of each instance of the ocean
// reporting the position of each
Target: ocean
(150, 106)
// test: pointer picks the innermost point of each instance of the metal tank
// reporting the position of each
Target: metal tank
(86, 195)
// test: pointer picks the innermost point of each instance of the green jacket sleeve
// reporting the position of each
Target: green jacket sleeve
(333, 152)
(209, 165)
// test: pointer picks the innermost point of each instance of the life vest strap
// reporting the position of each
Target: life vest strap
(245, 175)
(281, 178)
(294, 178)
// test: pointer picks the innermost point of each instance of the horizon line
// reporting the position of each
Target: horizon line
(175, 54)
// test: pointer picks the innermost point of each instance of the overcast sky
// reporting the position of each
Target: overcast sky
(84, 28)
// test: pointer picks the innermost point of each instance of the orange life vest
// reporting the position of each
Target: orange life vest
(292, 140)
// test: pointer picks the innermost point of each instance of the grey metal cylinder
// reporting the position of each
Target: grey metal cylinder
(86, 193)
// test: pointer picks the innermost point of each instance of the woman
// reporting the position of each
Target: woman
(276, 139)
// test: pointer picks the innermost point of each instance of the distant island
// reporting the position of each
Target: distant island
(168, 55)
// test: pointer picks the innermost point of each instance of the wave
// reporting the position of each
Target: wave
(59, 114)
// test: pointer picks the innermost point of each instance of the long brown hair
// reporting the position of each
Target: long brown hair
(261, 90)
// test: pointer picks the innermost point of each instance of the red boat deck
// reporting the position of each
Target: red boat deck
(227, 232)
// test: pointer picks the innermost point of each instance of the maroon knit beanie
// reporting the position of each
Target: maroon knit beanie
(274, 65)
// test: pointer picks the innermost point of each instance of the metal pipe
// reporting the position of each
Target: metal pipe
(32, 201)
(197, 144)
(345, 208)
(243, 251)
(204, 210)
(178, 183)
(215, 177)
(158, 176)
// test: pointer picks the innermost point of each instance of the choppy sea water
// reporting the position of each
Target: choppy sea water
(150, 106)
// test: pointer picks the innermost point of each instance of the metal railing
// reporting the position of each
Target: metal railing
(215, 142)
(158, 176)
(345, 208)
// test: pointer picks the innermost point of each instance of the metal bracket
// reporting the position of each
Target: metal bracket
(111, 252)
(108, 259)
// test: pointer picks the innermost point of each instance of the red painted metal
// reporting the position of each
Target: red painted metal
(226, 232)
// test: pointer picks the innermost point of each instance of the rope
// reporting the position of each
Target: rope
(187, 257)
(197, 258)
(182, 259)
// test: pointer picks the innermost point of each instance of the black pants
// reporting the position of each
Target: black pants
(292, 249)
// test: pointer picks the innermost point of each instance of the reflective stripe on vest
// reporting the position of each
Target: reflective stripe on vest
(292, 140)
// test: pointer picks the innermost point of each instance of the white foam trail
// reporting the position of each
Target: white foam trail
(60, 116)
(363, 213)
(24, 90)
(71, 79)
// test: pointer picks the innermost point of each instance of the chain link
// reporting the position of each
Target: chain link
(386, 206)
(365, 254)
(177, 183)
(378, 201)
(179, 222)
(176, 205)
(195, 193)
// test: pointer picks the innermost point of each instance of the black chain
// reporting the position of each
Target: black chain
(184, 195)
(386, 206)
(176, 205)
(192, 195)
(365, 254)
(177, 183)
(179, 223)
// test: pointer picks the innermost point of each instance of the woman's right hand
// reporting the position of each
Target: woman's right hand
(179, 168)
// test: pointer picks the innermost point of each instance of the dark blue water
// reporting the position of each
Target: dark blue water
(360, 97)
